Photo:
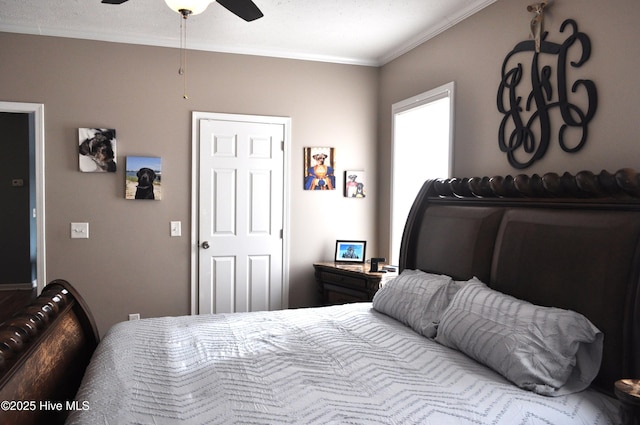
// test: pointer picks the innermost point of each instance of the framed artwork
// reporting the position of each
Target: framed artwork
(354, 184)
(143, 178)
(350, 251)
(97, 150)
(319, 168)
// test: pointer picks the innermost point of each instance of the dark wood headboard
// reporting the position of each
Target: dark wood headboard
(44, 351)
(568, 241)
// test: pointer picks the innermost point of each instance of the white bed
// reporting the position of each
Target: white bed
(338, 364)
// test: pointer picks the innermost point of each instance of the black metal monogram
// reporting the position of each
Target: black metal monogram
(539, 104)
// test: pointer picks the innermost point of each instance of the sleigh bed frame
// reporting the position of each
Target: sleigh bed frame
(555, 240)
(568, 241)
(44, 350)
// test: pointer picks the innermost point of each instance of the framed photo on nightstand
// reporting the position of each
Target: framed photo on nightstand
(350, 251)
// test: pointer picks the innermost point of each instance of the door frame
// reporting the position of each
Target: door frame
(37, 127)
(196, 116)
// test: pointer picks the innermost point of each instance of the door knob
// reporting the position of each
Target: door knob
(205, 245)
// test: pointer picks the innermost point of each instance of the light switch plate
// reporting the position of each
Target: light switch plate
(176, 228)
(79, 230)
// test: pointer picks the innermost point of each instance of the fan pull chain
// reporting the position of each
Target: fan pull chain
(183, 50)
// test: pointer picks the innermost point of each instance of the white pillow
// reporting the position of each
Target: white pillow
(546, 350)
(416, 299)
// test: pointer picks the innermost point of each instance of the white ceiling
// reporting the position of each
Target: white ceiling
(362, 32)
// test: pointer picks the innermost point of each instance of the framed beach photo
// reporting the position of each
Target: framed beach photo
(350, 251)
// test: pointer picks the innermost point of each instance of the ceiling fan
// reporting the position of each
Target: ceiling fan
(245, 9)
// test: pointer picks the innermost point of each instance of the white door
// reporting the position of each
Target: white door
(241, 216)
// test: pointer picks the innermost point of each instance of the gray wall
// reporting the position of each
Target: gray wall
(471, 54)
(130, 264)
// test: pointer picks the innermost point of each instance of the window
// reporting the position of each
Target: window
(422, 135)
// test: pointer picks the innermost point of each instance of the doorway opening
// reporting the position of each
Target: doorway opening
(422, 146)
(32, 116)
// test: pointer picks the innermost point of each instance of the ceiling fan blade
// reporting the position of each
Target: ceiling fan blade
(245, 9)
(114, 1)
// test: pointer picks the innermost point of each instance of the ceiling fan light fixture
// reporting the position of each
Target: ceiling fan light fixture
(194, 6)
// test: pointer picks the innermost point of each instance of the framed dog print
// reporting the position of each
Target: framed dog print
(97, 150)
(143, 178)
(350, 251)
(319, 168)
(354, 184)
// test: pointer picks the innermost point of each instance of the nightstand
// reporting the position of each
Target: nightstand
(347, 283)
(628, 392)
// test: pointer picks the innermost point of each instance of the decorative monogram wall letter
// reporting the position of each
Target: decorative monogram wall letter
(525, 130)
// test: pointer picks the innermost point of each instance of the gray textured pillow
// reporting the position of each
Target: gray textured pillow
(546, 350)
(416, 299)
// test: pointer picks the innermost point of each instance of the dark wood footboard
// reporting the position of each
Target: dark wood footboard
(44, 351)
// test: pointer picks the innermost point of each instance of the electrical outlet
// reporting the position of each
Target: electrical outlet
(134, 316)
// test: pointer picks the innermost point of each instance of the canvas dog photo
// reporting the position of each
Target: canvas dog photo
(319, 168)
(143, 178)
(354, 184)
(97, 150)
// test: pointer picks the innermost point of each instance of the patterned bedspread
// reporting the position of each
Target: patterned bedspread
(329, 365)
